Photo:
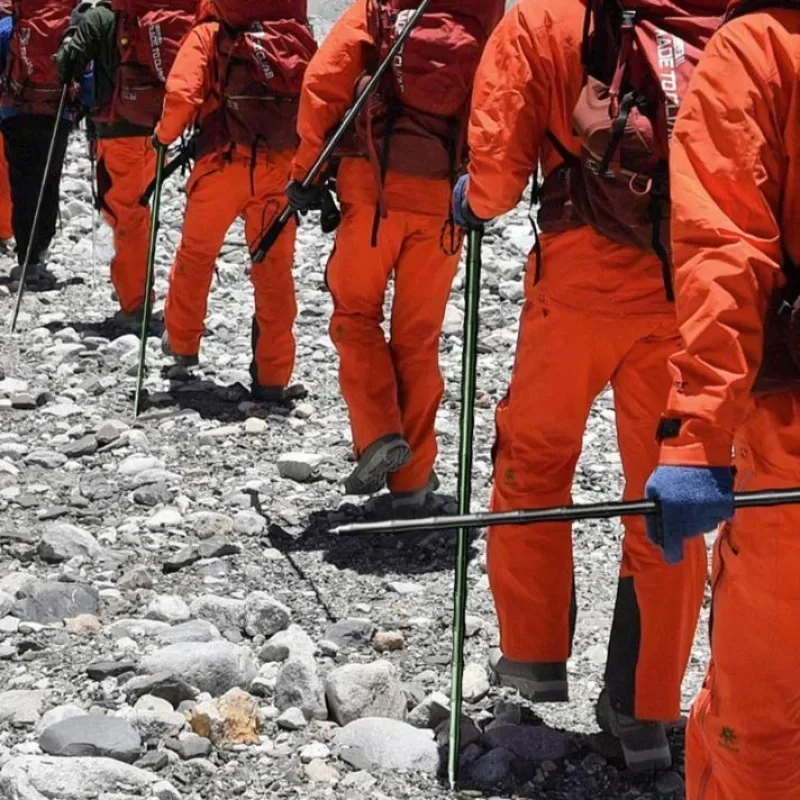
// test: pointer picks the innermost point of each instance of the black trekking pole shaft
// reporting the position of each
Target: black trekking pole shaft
(161, 155)
(469, 367)
(62, 104)
(643, 508)
(177, 163)
(275, 230)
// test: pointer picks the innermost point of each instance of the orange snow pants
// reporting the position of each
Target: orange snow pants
(743, 739)
(218, 192)
(125, 168)
(6, 231)
(565, 359)
(396, 386)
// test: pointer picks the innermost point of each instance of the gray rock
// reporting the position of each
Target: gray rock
(387, 744)
(189, 745)
(294, 642)
(224, 612)
(163, 685)
(168, 608)
(136, 578)
(21, 706)
(431, 712)
(218, 547)
(476, 683)
(100, 670)
(299, 467)
(249, 523)
(136, 628)
(58, 714)
(183, 558)
(6, 604)
(110, 431)
(205, 524)
(299, 686)
(493, 771)
(293, 719)
(670, 783)
(529, 742)
(365, 690)
(213, 667)
(315, 750)
(63, 542)
(92, 736)
(53, 778)
(47, 602)
(48, 459)
(317, 771)
(265, 615)
(154, 723)
(351, 632)
(85, 446)
(195, 630)
(154, 760)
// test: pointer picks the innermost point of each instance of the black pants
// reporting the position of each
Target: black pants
(27, 143)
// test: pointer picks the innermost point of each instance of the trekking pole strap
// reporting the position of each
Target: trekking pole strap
(333, 143)
(641, 508)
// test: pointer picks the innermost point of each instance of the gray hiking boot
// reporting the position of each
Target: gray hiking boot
(278, 395)
(36, 277)
(388, 454)
(410, 503)
(538, 682)
(131, 321)
(186, 362)
(644, 744)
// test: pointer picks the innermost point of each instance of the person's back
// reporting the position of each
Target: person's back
(596, 313)
(736, 202)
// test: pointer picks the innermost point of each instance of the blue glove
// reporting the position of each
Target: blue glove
(693, 501)
(462, 213)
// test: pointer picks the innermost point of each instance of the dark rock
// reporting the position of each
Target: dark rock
(217, 547)
(163, 685)
(351, 633)
(91, 735)
(101, 670)
(154, 760)
(85, 446)
(189, 745)
(493, 771)
(185, 557)
(23, 401)
(532, 743)
(153, 494)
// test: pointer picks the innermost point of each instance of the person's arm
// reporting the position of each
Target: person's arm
(86, 42)
(728, 173)
(511, 107)
(330, 83)
(189, 84)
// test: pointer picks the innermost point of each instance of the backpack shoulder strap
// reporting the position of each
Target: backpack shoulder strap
(752, 6)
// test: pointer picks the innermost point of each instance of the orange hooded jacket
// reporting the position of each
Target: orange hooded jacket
(735, 213)
(528, 83)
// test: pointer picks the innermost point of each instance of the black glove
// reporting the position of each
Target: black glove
(304, 200)
(157, 143)
(67, 64)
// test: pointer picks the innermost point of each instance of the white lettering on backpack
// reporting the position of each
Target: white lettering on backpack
(156, 40)
(400, 24)
(260, 53)
(24, 42)
(671, 54)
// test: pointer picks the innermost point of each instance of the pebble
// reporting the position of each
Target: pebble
(189, 746)
(168, 608)
(351, 632)
(388, 641)
(299, 467)
(264, 615)
(317, 771)
(298, 685)
(365, 690)
(315, 750)
(21, 706)
(206, 524)
(227, 720)
(254, 425)
(475, 683)
(224, 612)
(165, 518)
(83, 624)
(293, 719)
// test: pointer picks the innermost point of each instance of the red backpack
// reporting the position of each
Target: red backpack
(32, 82)
(639, 56)
(149, 34)
(264, 48)
(423, 102)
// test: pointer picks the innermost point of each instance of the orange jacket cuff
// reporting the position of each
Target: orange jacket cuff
(699, 444)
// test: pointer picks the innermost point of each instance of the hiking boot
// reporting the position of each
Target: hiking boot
(278, 395)
(186, 362)
(538, 682)
(388, 454)
(644, 744)
(411, 503)
(37, 276)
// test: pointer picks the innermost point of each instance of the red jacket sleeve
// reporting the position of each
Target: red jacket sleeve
(190, 82)
(329, 84)
(729, 176)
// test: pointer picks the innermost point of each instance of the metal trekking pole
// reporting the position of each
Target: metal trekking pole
(472, 294)
(161, 157)
(62, 104)
(275, 230)
(91, 135)
(644, 508)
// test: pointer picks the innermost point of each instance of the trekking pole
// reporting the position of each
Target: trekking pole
(275, 230)
(62, 104)
(161, 156)
(472, 294)
(644, 508)
(182, 160)
(92, 137)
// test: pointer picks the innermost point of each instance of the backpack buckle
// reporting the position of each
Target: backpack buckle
(628, 19)
(640, 185)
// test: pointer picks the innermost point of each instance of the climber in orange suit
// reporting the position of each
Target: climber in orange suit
(6, 231)
(596, 313)
(229, 180)
(736, 203)
(399, 228)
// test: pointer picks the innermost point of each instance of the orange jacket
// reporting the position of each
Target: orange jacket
(191, 91)
(328, 93)
(528, 83)
(736, 206)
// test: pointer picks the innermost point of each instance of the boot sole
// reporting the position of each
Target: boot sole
(370, 477)
(536, 691)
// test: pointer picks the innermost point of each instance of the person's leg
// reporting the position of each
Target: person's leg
(125, 168)
(423, 279)
(214, 201)
(6, 229)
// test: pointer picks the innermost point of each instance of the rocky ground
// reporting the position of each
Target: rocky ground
(175, 614)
